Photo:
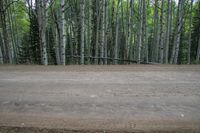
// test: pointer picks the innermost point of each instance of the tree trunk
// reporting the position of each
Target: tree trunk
(16, 35)
(71, 42)
(179, 24)
(129, 30)
(1, 48)
(82, 31)
(11, 50)
(62, 32)
(1, 56)
(162, 33)
(198, 51)
(168, 30)
(145, 35)
(128, 16)
(103, 31)
(97, 33)
(117, 34)
(156, 33)
(88, 32)
(7, 53)
(56, 35)
(107, 31)
(56, 42)
(94, 27)
(189, 39)
(140, 32)
(41, 12)
(113, 27)
(11, 33)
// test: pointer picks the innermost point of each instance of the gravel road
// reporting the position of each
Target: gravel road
(123, 98)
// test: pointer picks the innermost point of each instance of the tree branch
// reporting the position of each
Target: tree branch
(7, 6)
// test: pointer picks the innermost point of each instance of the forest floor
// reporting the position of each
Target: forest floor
(123, 98)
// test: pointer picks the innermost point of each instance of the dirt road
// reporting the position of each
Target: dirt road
(140, 98)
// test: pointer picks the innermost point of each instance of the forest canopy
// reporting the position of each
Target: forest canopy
(60, 32)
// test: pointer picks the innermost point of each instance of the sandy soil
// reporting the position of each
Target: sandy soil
(132, 98)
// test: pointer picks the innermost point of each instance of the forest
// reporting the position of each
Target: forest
(62, 32)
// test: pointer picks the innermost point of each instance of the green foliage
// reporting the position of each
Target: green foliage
(21, 17)
(195, 30)
(26, 28)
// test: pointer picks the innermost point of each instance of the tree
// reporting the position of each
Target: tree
(162, 33)
(145, 51)
(116, 34)
(140, 39)
(179, 24)
(1, 46)
(88, 44)
(62, 32)
(41, 16)
(198, 51)
(129, 28)
(1, 56)
(7, 45)
(145, 35)
(106, 31)
(56, 36)
(156, 33)
(103, 31)
(82, 31)
(99, 31)
(168, 31)
(189, 38)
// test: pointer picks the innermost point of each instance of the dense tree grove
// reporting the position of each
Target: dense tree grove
(99, 31)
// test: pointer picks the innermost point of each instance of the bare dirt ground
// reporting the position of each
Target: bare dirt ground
(132, 98)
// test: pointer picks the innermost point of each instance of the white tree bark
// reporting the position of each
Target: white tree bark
(57, 51)
(179, 24)
(103, 31)
(11, 34)
(62, 32)
(140, 32)
(107, 31)
(41, 12)
(11, 50)
(88, 32)
(7, 45)
(56, 35)
(82, 31)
